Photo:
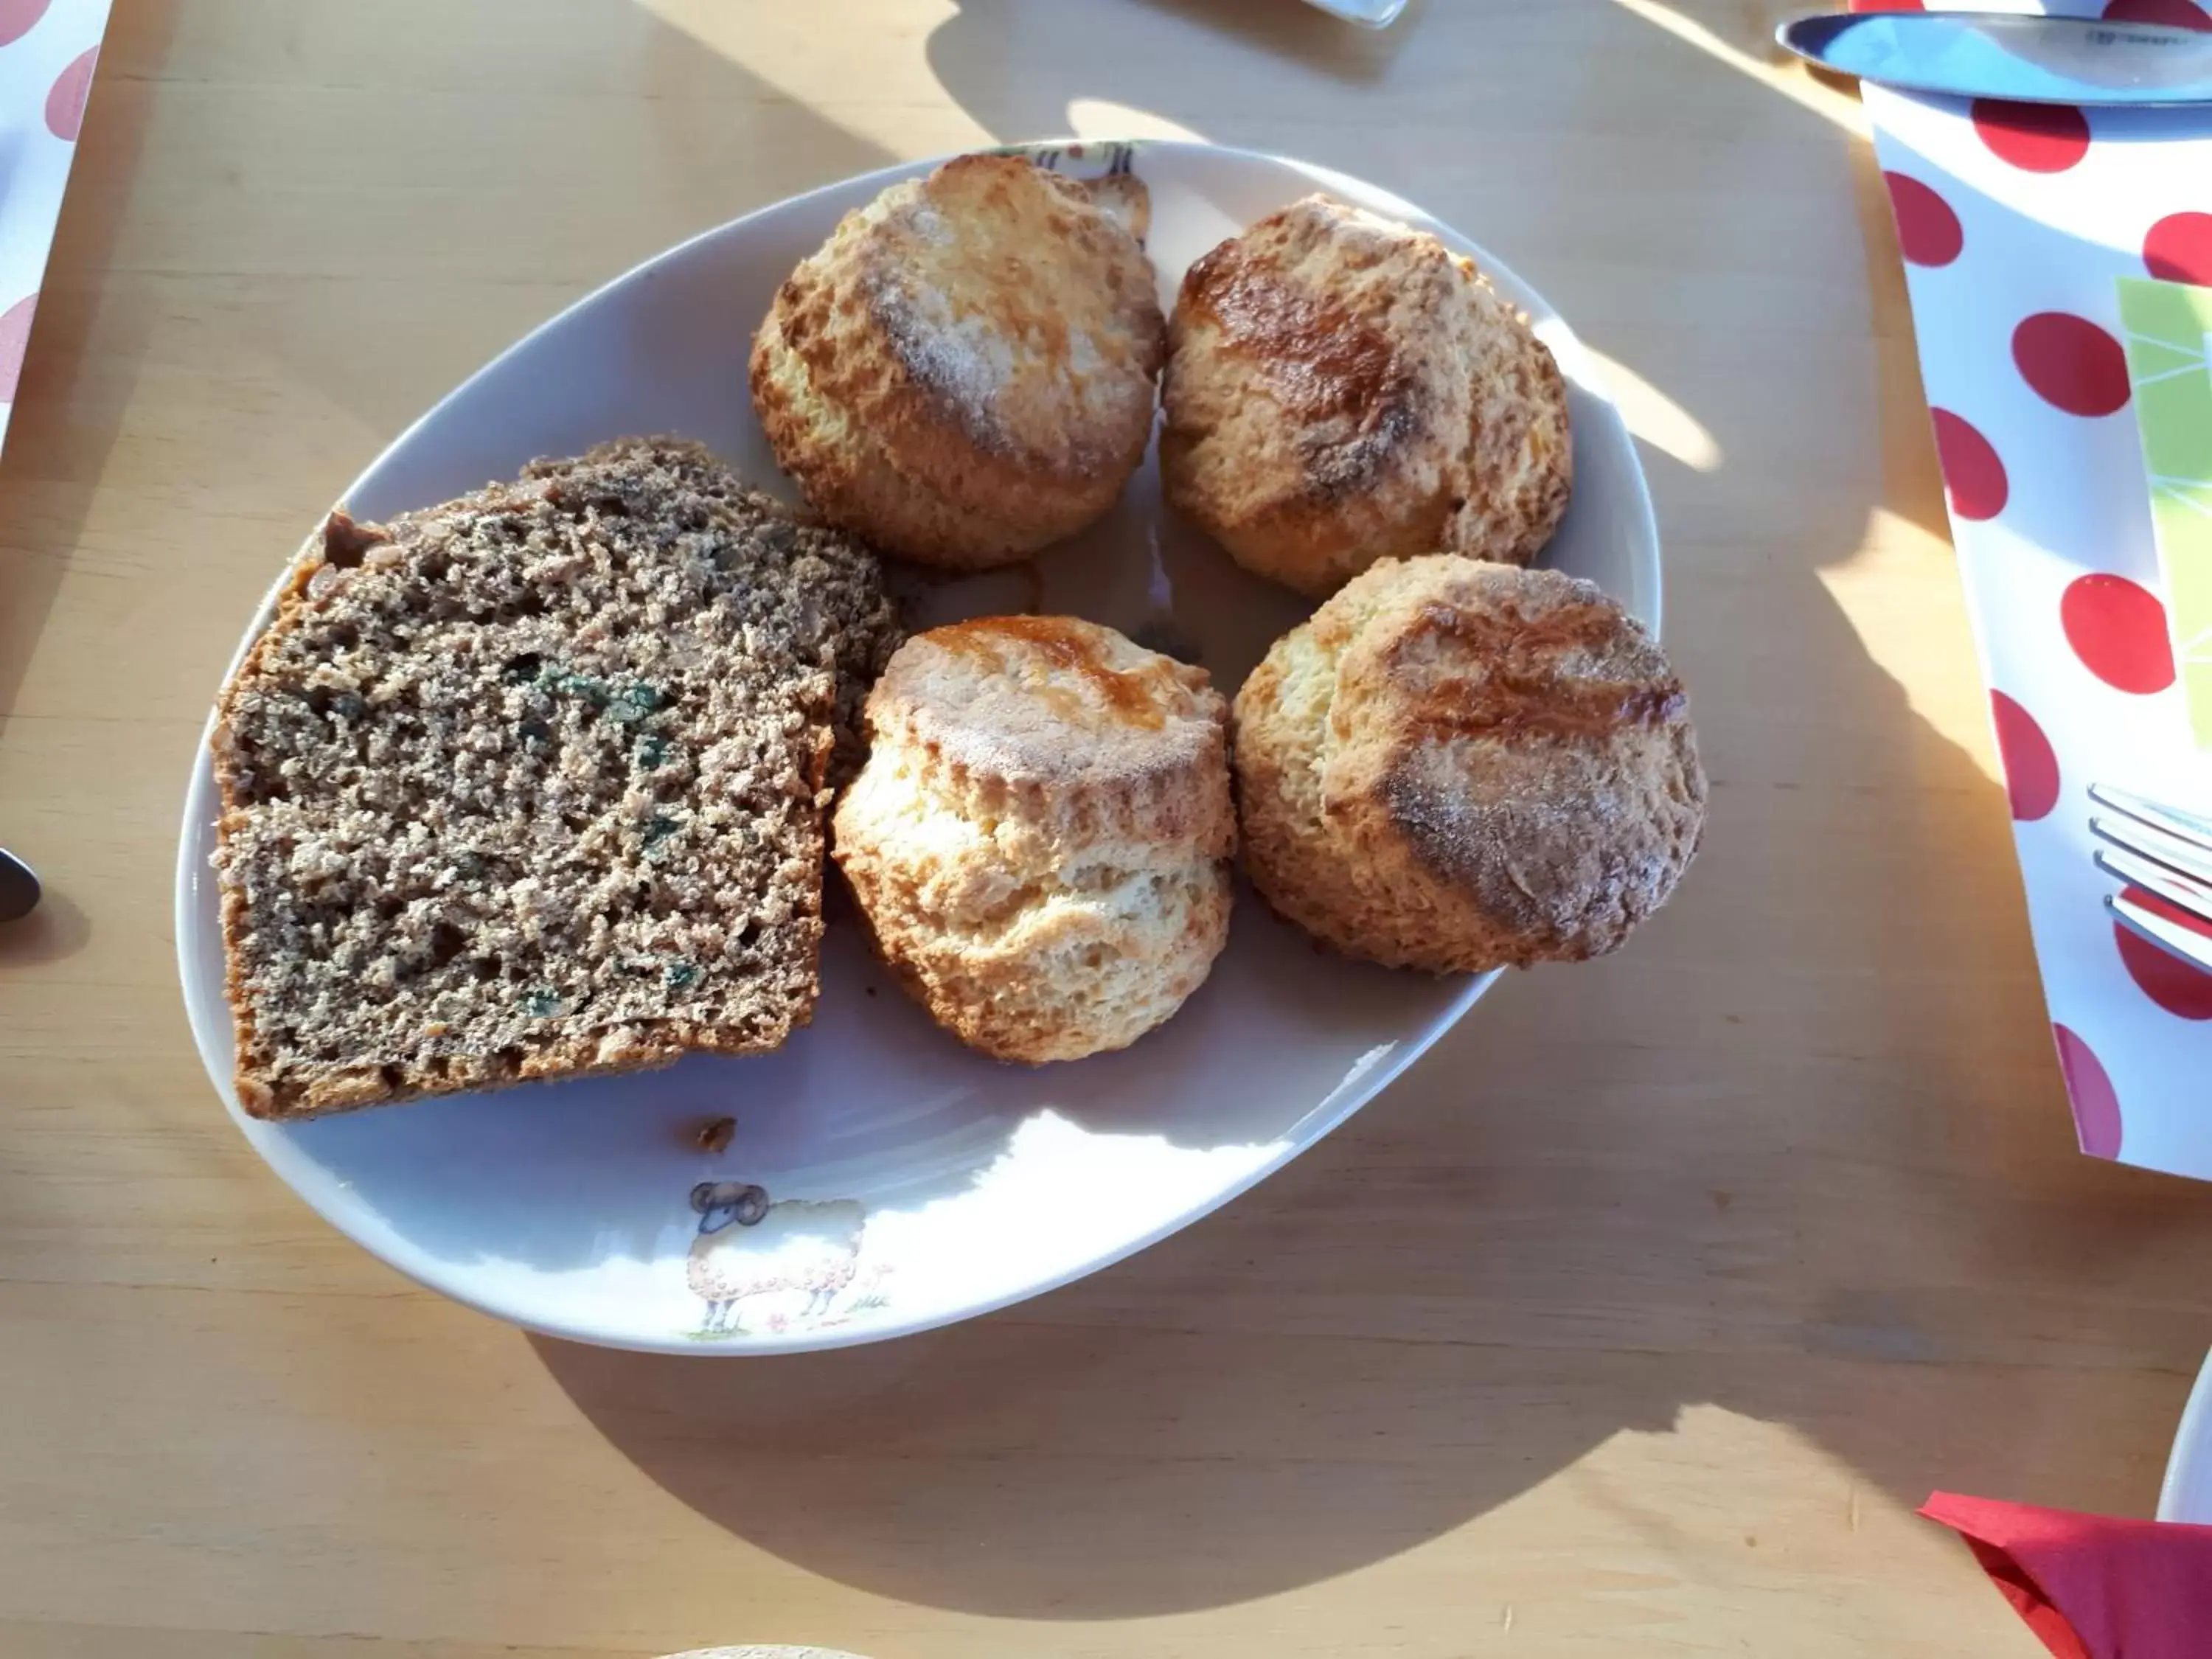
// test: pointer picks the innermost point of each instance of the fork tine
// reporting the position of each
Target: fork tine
(2193, 897)
(2168, 935)
(2146, 840)
(2190, 827)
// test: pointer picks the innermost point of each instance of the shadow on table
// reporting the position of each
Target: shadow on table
(1840, 1197)
(983, 55)
(58, 929)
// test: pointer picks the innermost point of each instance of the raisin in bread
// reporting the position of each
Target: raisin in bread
(530, 784)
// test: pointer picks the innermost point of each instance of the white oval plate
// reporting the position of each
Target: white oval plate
(916, 1183)
(2186, 1494)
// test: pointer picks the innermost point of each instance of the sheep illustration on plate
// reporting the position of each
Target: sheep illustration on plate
(760, 1265)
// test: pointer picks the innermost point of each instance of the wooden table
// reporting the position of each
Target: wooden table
(1635, 1320)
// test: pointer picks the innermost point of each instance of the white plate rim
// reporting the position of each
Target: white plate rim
(215, 1046)
(2186, 1492)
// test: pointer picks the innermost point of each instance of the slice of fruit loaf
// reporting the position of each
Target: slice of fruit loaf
(530, 784)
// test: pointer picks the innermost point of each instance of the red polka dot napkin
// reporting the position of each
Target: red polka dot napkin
(2092, 1587)
(47, 48)
(2017, 223)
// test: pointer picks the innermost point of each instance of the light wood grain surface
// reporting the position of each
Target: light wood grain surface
(1634, 1320)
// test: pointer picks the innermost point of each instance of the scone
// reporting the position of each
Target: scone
(1456, 765)
(965, 372)
(1040, 839)
(530, 784)
(1341, 389)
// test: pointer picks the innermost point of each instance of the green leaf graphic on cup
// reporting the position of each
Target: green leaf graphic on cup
(2169, 345)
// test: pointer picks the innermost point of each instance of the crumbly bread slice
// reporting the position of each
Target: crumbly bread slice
(530, 784)
(1040, 840)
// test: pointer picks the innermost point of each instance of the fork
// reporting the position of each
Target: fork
(2166, 854)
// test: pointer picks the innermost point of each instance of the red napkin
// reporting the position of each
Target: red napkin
(2093, 1587)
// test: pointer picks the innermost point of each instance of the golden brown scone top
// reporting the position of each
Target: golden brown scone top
(989, 334)
(1341, 388)
(1458, 765)
(1062, 722)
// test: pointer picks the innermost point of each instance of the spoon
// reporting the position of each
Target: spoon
(19, 887)
(2026, 58)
